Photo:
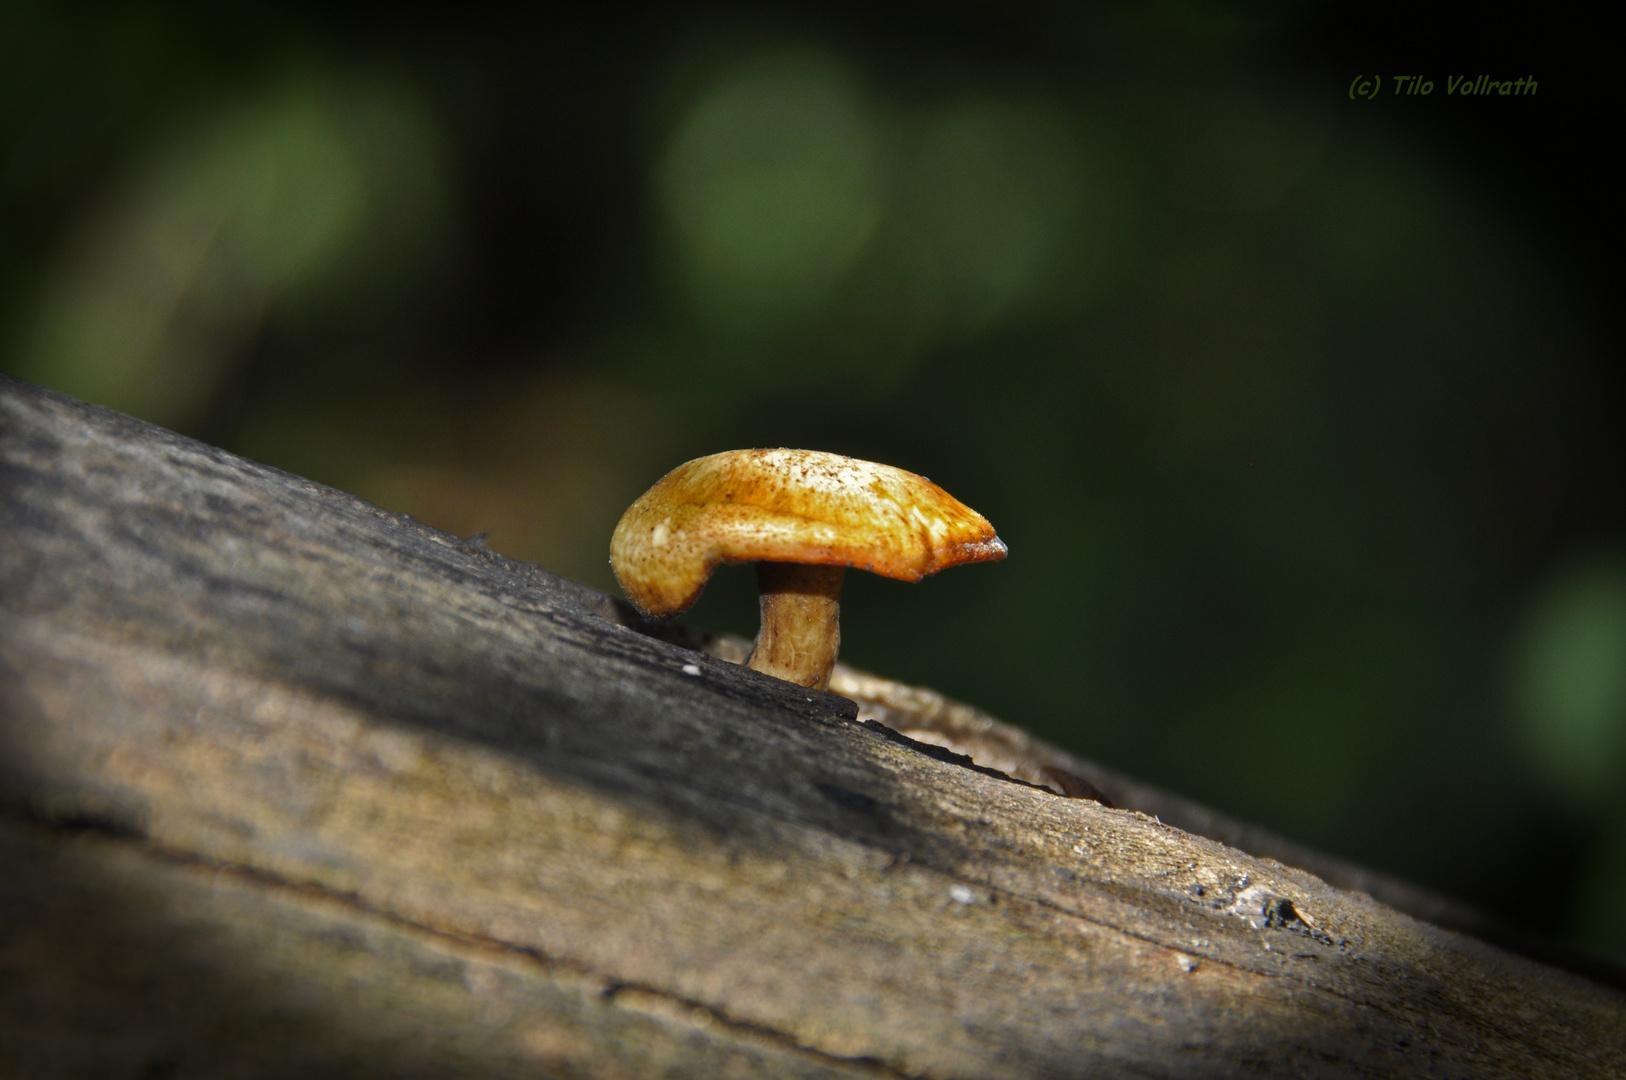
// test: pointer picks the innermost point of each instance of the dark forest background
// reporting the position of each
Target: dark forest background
(1301, 415)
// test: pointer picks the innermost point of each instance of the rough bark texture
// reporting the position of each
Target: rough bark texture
(293, 786)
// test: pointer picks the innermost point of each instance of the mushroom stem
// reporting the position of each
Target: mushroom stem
(801, 629)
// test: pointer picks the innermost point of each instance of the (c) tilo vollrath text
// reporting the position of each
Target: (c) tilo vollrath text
(1459, 85)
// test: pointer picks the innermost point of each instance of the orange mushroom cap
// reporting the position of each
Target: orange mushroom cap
(796, 506)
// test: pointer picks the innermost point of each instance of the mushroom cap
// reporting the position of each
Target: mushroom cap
(797, 506)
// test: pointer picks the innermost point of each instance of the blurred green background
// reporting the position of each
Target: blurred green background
(1299, 414)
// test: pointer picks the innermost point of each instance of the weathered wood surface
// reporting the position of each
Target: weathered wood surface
(293, 785)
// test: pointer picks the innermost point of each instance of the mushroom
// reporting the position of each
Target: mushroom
(803, 517)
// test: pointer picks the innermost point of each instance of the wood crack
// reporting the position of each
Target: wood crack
(614, 990)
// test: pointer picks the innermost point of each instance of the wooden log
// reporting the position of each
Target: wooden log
(292, 784)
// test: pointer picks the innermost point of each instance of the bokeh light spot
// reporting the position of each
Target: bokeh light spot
(770, 186)
(993, 202)
(1572, 688)
(158, 290)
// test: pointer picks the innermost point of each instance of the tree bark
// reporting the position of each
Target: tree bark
(292, 784)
